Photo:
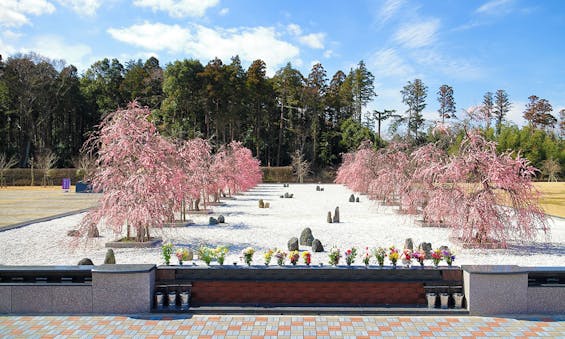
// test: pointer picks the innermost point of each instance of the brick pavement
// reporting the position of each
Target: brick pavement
(280, 326)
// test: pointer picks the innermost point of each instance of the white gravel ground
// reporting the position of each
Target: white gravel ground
(362, 224)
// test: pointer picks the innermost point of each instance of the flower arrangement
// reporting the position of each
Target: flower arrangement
(436, 256)
(380, 254)
(407, 257)
(334, 255)
(350, 255)
(268, 256)
(307, 257)
(366, 256)
(293, 256)
(448, 256)
(281, 257)
(206, 254)
(182, 255)
(167, 252)
(248, 255)
(419, 256)
(393, 255)
(220, 254)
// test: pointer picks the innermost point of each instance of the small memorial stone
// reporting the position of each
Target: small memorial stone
(212, 221)
(221, 219)
(352, 198)
(85, 261)
(306, 237)
(409, 244)
(293, 244)
(336, 215)
(329, 219)
(317, 246)
(110, 258)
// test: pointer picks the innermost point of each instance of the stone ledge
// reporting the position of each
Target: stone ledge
(133, 244)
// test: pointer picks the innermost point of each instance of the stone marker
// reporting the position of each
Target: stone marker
(409, 244)
(317, 246)
(336, 215)
(293, 244)
(357, 199)
(221, 219)
(261, 203)
(85, 261)
(329, 219)
(352, 198)
(212, 221)
(110, 258)
(427, 248)
(306, 237)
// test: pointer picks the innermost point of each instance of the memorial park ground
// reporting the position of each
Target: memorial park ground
(362, 224)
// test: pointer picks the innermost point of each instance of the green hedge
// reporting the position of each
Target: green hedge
(22, 176)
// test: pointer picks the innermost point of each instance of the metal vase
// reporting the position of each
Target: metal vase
(159, 300)
(444, 299)
(172, 299)
(184, 299)
(458, 298)
(431, 298)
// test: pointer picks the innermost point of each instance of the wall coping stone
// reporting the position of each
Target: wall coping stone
(509, 269)
(124, 268)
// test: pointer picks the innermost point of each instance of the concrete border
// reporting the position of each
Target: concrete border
(44, 219)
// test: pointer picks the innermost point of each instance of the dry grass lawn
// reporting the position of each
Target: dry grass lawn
(23, 203)
(553, 197)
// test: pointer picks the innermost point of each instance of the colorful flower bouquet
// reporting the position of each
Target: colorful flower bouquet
(307, 257)
(380, 254)
(334, 256)
(407, 257)
(268, 256)
(248, 255)
(350, 255)
(220, 253)
(448, 256)
(393, 255)
(436, 257)
(419, 256)
(281, 257)
(206, 254)
(366, 256)
(293, 256)
(182, 255)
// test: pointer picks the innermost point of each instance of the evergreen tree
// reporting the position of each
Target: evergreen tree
(538, 113)
(414, 96)
(487, 109)
(446, 103)
(501, 108)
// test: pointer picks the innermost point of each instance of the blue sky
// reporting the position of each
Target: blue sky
(474, 46)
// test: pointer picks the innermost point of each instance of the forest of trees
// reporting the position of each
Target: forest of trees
(47, 107)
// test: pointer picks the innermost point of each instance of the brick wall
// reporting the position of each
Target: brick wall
(307, 293)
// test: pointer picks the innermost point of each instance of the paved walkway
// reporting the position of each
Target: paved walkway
(241, 326)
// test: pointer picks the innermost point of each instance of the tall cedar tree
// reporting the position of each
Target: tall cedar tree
(501, 108)
(487, 109)
(446, 103)
(414, 96)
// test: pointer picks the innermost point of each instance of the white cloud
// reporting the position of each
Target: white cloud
(14, 13)
(459, 68)
(207, 43)
(294, 29)
(54, 47)
(224, 11)
(388, 63)
(328, 53)
(313, 40)
(153, 36)
(495, 7)
(389, 9)
(178, 8)
(516, 113)
(417, 35)
(82, 7)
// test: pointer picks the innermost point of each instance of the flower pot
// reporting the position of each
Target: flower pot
(172, 299)
(431, 298)
(444, 299)
(458, 298)
(159, 299)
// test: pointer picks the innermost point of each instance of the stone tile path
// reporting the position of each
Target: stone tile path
(281, 326)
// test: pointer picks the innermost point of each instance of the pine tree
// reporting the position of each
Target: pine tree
(414, 96)
(501, 108)
(488, 108)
